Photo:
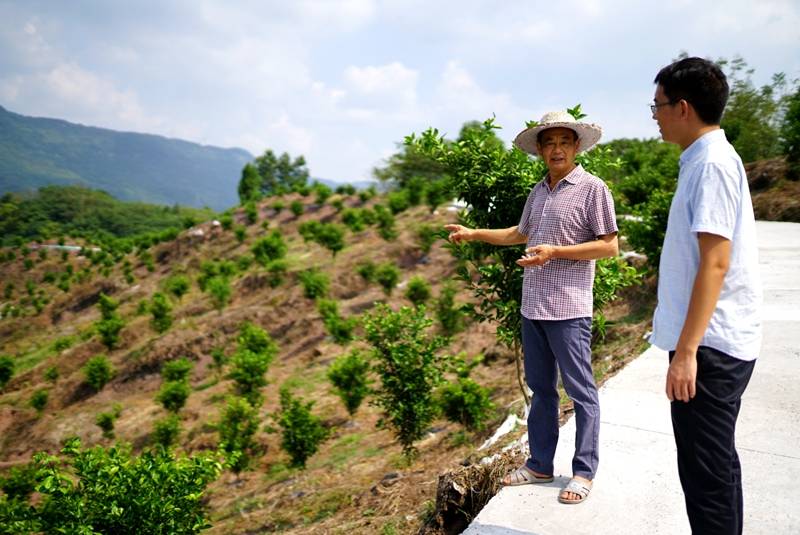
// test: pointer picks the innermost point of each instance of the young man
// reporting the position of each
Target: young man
(568, 222)
(709, 293)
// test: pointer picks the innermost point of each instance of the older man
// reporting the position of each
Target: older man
(568, 222)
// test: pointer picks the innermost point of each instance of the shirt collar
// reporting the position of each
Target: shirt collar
(574, 176)
(701, 143)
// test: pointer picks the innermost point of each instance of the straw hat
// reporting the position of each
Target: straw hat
(588, 133)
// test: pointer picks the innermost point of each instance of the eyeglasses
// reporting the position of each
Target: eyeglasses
(654, 107)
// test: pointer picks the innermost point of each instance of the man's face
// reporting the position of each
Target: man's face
(558, 148)
(665, 115)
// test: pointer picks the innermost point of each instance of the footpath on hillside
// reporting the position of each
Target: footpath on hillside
(637, 488)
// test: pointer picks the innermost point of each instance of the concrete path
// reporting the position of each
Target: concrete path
(637, 489)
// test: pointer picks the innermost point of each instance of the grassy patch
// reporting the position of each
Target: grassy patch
(32, 357)
(324, 505)
(345, 450)
(306, 382)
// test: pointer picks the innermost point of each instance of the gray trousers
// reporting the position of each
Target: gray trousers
(563, 345)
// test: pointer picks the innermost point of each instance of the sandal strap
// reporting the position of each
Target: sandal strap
(577, 487)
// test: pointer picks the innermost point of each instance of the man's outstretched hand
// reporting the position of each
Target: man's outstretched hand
(458, 233)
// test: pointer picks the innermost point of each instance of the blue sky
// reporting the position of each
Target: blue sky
(342, 82)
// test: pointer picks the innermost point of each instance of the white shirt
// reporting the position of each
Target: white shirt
(713, 197)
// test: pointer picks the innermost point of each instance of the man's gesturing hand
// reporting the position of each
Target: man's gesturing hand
(538, 255)
(681, 376)
(458, 233)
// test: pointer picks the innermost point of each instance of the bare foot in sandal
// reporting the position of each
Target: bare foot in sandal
(525, 476)
(576, 490)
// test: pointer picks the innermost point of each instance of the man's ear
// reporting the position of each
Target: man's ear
(684, 104)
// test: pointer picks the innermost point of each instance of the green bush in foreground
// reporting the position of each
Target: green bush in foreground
(108, 490)
(409, 367)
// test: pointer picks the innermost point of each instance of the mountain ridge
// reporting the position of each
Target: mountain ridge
(38, 151)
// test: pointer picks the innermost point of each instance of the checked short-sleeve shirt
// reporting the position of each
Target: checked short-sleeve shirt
(578, 210)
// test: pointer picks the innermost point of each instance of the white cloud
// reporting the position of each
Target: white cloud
(393, 84)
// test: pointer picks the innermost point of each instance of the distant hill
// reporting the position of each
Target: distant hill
(36, 152)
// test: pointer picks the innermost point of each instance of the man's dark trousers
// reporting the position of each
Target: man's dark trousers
(704, 428)
(565, 345)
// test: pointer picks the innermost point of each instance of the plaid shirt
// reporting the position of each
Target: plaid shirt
(579, 210)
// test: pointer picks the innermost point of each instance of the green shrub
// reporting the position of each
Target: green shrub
(418, 290)
(611, 275)
(6, 370)
(177, 370)
(219, 357)
(209, 269)
(251, 213)
(348, 375)
(226, 220)
(278, 206)
(167, 430)
(98, 371)
(301, 431)
(353, 218)
(105, 421)
(247, 369)
(254, 338)
(244, 262)
(315, 283)
(450, 316)
(220, 290)
(426, 237)
(646, 235)
(338, 204)
(173, 395)
(161, 310)
(39, 399)
(269, 248)
(103, 490)
(8, 291)
(51, 374)
(240, 232)
(367, 194)
(398, 201)
(177, 285)
(323, 192)
(407, 363)
(387, 275)
(331, 236)
(63, 342)
(346, 189)
(296, 208)
(238, 424)
(466, 402)
(309, 230)
(19, 483)
(340, 329)
(276, 272)
(367, 270)
(385, 220)
(110, 324)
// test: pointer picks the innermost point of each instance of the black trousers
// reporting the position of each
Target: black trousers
(704, 428)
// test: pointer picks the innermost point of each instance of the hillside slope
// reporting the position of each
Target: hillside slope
(358, 482)
(36, 151)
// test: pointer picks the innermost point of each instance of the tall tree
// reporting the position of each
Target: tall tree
(250, 184)
(280, 173)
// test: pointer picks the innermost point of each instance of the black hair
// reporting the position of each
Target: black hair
(699, 82)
